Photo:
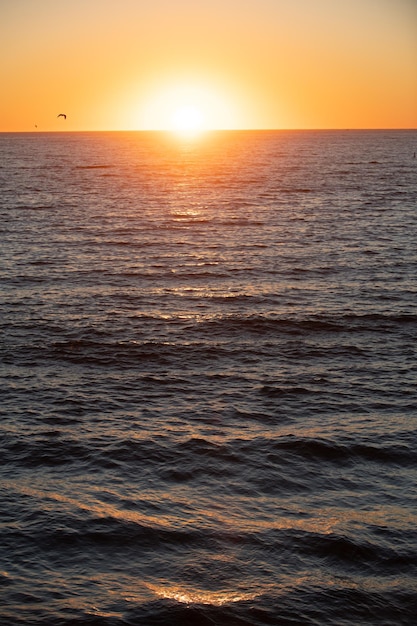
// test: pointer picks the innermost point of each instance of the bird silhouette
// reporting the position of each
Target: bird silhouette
(62, 115)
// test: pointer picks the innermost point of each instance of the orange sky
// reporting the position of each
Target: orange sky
(128, 64)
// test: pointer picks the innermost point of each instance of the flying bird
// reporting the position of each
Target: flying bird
(62, 115)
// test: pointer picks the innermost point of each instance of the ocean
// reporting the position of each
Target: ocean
(208, 379)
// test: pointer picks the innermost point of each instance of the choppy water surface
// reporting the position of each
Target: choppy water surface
(208, 360)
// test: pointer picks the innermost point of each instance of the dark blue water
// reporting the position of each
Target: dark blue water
(208, 379)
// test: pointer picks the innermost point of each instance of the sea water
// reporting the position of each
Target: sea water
(208, 379)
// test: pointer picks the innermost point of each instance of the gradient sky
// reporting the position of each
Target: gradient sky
(128, 64)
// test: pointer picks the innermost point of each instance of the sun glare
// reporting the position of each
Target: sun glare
(187, 108)
(187, 120)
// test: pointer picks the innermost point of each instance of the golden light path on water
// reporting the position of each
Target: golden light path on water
(199, 596)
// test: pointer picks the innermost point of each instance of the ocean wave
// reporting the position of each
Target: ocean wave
(197, 457)
(93, 167)
(316, 324)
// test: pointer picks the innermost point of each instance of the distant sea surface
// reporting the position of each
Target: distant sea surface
(208, 379)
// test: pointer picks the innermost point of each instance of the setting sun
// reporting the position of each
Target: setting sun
(187, 119)
(186, 106)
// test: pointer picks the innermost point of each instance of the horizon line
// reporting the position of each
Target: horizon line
(217, 130)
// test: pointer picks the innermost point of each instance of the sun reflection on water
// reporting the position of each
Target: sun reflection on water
(199, 596)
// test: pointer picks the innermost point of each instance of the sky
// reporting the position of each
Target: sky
(238, 64)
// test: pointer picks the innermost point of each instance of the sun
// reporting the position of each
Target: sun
(187, 119)
(187, 107)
